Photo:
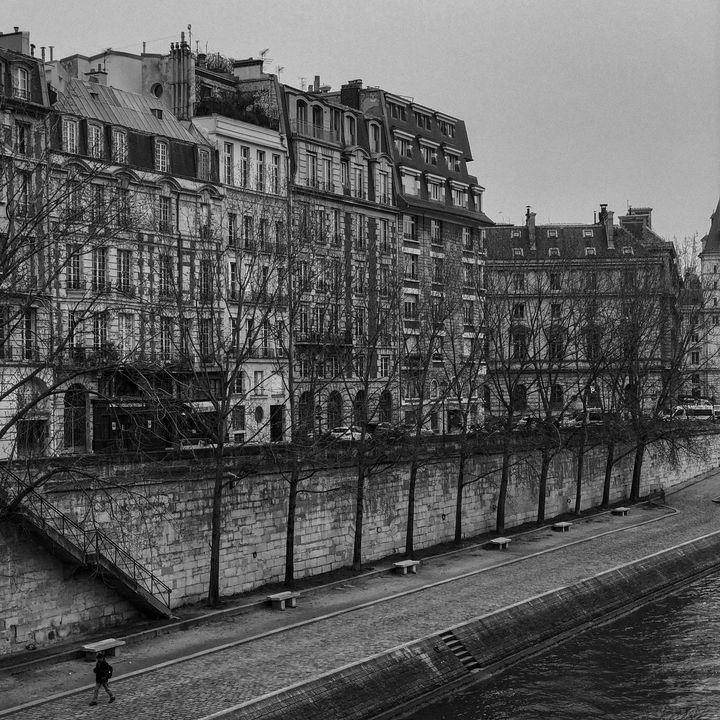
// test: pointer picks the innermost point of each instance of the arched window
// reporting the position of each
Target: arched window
(434, 391)
(385, 407)
(557, 396)
(306, 413)
(519, 398)
(334, 410)
(360, 409)
(75, 417)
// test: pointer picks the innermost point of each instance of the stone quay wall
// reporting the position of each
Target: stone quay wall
(161, 515)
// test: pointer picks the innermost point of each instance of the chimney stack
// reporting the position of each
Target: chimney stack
(606, 220)
(42, 52)
(52, 47)
(530, 223)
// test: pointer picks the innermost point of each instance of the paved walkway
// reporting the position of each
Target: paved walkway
(191, 674)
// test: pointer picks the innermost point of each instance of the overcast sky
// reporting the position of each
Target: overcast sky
(569, 103)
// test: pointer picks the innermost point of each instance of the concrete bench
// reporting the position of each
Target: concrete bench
(402, 567)
(563, 526)
(620, 511)
(501, 543)
(109, 647)
(280, 600)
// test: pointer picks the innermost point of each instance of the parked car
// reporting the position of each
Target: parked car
(694, 412)
(345, 432)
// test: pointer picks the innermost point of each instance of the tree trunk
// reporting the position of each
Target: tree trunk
(359, 513)
(502, 494)
(609, 462)
(410, 528)
(580, 472)
(216, 527)
(290, 534)
(542, 487)
(459, 496)
(637, 471)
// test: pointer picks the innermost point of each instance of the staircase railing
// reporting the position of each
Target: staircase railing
(91, 543)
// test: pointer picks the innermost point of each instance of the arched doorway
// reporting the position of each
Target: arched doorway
(334, 410)
(75, 419)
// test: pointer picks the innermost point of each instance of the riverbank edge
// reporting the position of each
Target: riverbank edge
(384, 686)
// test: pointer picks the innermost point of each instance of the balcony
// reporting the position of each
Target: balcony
(306, 129)
(21, 94)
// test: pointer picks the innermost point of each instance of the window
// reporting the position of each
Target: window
(205, 279)
(554, 252)
(258, 380)
(203, 164)
(593, 338)
(396, 111)
(447, 128)
(126, 324)
(437, 270)
(383, 189)
(232, 228)
(436, 234)
(517, 252)
(429, 154)
(164, 214)
(556, 348)
(459, 197)
(557, 396)
(627, 250)
(518, 311)
(166, 337)
(422, 120)
(410, 183)
(453, 161)
(95, 141)
(263, 242)
(70, 135)
(233, 281)
(204, 220)
(384, 366)
(74, 267)
(98, 203)
(374, 138)
(124, 264)
(161, 156)
(260, 171)
(99, 269)
(518, 279)
(695, 357)
(244, 167)
(467, 238)
(519, 344)
(204, 339)
(409, 227)
(350, 130)
(587, 233)
(359, 324)
(21, 88)
(589, 251)
(555, 309)
(23, 138)
(359, 182)
(469, 276)
(360, 231)
(100, 327)
(404, 146)
(228, 163)
(410, 307)
(248, 231)
(555, 281)
(383, 235)
(436, 191)
(119, 146)
(468, 312)
(164, 274)
(552, 233)
(275, 175)
(411, 266)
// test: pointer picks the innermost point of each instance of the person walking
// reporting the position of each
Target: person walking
(103, 673)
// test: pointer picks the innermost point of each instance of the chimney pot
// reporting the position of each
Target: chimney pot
(32, 49)
(52, 47)
(42, 52)
(16, 28)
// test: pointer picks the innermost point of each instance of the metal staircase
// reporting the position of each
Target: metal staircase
(90, 548)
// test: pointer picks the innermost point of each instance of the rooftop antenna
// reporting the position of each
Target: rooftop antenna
(189, 35)
(279, 69)
(302, 82)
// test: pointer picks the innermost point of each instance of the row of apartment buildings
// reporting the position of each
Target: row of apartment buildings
(189, 242)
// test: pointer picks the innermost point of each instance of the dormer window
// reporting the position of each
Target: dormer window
(515, 234)
(447, 128)
(161, 156)
(552, 233)
(119, 146)
(429, 154)
(374, 138)
(627, 250)
(423, 120)
(157, 112)
(587, 233)
(21, 89)
(203, 164)
(350, 137)
(517, 252)
(397, 111)
(95, 141)
(453, 161)
(404, 145)
(436, 190)
(589, 251)
(70, 135)
(554, 252)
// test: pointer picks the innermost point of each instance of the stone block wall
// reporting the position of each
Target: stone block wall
(162, 516)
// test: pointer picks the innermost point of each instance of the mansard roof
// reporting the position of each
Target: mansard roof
(711, 242)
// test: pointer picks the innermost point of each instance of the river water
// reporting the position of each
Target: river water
(662, 662)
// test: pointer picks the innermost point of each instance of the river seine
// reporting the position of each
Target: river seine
(662, 662)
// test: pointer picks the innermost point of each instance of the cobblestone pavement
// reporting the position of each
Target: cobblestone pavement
(191, 675)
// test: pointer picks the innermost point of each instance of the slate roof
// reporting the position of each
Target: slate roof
(570, 240)
(119, 107)
(711, 242)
